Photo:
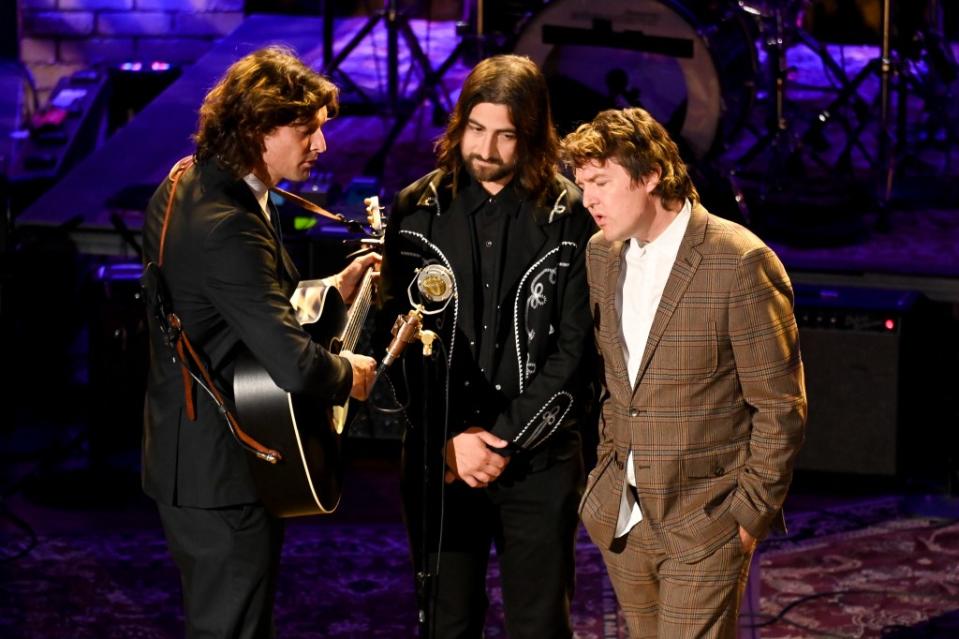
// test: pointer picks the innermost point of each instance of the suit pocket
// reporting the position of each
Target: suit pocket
(714, 464)
(594, 477)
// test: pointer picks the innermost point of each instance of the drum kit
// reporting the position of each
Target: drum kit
(716, 73)
(722, 76)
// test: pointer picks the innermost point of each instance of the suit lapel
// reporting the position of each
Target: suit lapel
(684, 268)
(614, 266)
(287, 267)
(286, 270)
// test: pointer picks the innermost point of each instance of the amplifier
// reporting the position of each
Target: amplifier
(877, 366)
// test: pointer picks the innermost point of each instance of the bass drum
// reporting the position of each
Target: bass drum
(694, 72)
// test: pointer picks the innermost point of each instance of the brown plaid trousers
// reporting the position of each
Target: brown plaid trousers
(714, 422)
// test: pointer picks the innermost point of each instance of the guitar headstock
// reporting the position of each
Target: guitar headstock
(374, 216)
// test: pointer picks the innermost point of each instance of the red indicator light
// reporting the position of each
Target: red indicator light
(890, 324)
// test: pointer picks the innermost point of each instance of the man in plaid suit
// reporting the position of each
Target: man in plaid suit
(705, 405)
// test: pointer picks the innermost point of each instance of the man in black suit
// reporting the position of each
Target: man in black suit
(216, 235)
(512, 232)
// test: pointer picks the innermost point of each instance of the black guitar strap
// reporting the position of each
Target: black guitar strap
(158, 301)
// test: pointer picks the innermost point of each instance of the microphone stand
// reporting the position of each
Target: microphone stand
(436, 284)
(425, 579)
(407, 329)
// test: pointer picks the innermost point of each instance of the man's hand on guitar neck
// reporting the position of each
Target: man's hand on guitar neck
(364, 370)
(348, 280)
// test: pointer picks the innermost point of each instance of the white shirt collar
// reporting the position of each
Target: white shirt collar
(668, 242)
(260, 191)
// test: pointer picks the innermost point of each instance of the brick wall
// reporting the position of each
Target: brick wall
(59, 37)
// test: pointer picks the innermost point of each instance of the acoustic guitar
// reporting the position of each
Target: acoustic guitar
(306, 431)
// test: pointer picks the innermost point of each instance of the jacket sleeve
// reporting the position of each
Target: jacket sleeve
(548, 401)
(605, 443)
(765, 342)
(242, 282)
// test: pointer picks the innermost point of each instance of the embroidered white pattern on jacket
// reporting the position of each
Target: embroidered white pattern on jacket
(536, 299)
(546, 421)
(558, 209)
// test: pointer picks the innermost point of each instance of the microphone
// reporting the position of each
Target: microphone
(405, 330)
(435, 284)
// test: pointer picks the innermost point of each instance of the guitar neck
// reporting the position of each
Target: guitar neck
(356, 317)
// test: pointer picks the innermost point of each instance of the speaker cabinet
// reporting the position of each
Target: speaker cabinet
(876, 362)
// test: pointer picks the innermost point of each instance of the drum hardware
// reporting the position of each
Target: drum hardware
(602, 35)
(850, 110)
(778, 135)
(657, 54)
(769, 175)
(396, 24)
(783, 34)
(761, 192)
(475, 42)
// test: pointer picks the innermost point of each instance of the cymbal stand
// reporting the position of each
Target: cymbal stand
(777, 126)
(887, 159)
(780, 132)
(886, 66)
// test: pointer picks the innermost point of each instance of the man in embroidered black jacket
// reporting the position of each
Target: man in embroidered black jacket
(515, 339)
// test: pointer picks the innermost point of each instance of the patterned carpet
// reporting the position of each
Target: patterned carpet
(895, 576)
(867, 570)
(337, 581)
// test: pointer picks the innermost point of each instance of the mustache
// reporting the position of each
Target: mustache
(476, 156)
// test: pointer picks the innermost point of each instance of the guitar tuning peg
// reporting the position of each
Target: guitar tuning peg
(373, 214)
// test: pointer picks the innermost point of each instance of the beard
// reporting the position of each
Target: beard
(493, 171)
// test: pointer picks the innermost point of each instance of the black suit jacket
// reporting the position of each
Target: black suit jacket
(230, 281)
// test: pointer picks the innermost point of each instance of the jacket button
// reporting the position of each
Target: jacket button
(634, 412)
(719, 470)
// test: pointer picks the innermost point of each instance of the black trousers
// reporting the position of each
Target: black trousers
(228, 560)
(530, 515)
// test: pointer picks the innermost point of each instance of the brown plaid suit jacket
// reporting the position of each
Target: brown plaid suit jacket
(717, 414)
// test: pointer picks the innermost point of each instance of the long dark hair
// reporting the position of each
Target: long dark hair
(517, 83)
(264, 90)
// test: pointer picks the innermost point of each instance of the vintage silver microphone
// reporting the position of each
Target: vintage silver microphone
(435, 285)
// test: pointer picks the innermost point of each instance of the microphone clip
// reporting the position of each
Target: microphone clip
(406, 330)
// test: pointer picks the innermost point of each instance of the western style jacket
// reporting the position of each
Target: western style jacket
(543, 333)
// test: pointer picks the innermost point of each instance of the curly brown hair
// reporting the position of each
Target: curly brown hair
(638, 143)
(517, 83)
(263, 90)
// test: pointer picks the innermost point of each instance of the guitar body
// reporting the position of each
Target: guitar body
(309, 478)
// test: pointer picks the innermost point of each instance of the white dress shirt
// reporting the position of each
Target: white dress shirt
(646, 268)
(261, 192)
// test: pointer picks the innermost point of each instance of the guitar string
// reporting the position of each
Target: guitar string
(358, 319)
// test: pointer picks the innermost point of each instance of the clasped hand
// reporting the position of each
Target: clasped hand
(469, 457)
